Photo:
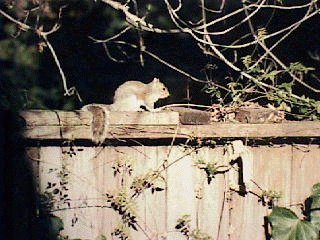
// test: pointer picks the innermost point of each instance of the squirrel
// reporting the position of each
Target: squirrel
(132, 95)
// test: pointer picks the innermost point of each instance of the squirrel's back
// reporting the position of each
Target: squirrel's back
(130, 88)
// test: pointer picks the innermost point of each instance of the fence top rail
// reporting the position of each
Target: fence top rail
(63, 125)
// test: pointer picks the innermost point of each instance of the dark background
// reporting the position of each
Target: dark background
(34, 81)
(29, 79)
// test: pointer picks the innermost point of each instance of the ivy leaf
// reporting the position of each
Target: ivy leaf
(56, 225)
(101, 237)
(315, 206)
(262, 33)
(299, 67)
(287, 226)
(271, 75)
(286, 86)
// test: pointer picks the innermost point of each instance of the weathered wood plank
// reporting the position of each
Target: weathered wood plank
(102, 163)
(305, 173)
(56, 118)
(33, 155)
(181, 196)
(272, 171)
(57, 132)
(80, 118)
(215, 130)
(155, 203)
(77, 125)
(289, 169)
(191, 116)
(84, 187)
(212, 209)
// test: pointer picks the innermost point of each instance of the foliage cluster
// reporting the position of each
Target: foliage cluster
(183, 225)
(286, 225)
(148, 34)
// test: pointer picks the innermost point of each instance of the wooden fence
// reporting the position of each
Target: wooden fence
(82, 179)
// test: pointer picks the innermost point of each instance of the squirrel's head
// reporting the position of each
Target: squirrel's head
(159, 88)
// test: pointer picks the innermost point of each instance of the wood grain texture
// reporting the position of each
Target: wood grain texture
(76, 118)
(272, 171)
(214, 210)
(181, 199)
(46, 125)
(212, 207)
(305, 164)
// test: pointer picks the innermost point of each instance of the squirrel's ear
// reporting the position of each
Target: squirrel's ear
(156, 80)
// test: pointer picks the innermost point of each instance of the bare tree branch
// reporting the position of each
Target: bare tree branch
(113, 37)
(269, 52)
(154, 56)
(44, 35)
(22, 25)
(135, 20)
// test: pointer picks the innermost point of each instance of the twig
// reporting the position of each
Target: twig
(68, 91)
(285, 67)
(244, 74)
(228, 16)
(43, 35)
(169, 65)
(79, 207)
(23, 26)
(234, 26)
(217, 52)
(268, 51)
(223, 3)
(280, 40)
(232, 46)
(285, 7)
(248, 76)
(105, 47)
(135, 20)
(111, 38)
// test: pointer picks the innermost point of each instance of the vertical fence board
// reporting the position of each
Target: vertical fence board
(49, 166)
(181, 193)
(291, 170)
(139, 159)
(155, 204)
(272, 171)
(212, 211)
(106, 158)
(33, 155)
(305, 172)
(84, 192)
(84, 189)
(101, 168)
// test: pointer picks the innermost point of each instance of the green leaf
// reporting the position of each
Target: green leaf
(247, 61)
(56, 225)
(101, 237)
(299, 67)
(316, 190)
(315, 206)
(271, 75)
(287, 226)
(286, 86)
(7, 49)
